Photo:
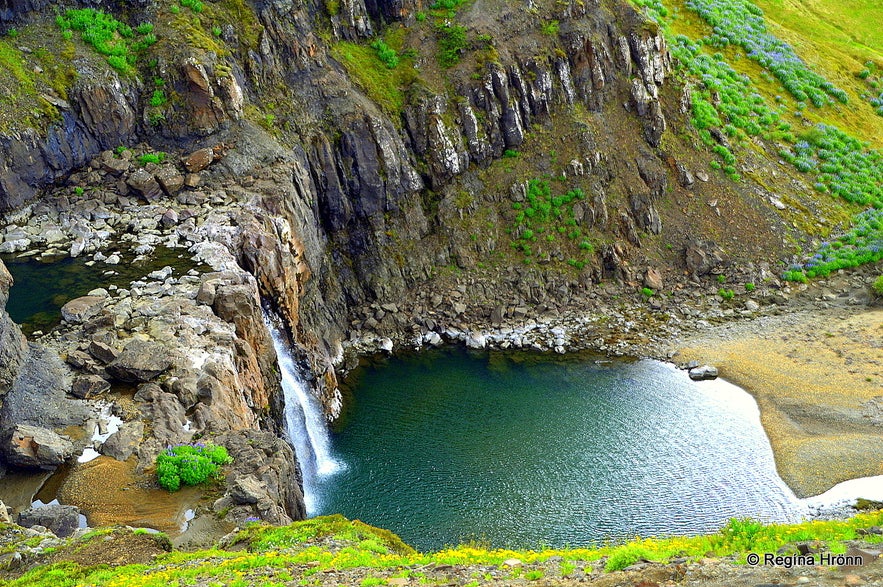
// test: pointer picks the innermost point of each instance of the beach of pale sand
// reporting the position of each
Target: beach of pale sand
(817, 376)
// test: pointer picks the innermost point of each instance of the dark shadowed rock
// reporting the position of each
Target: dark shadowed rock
(702, 257)
(102, 351)
(62, 520)
(140, 361)
(39, 395)
(29, 446)
(145, 185)
(89, 386)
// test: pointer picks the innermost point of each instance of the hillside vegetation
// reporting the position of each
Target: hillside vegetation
(796, 75)
(331, 550)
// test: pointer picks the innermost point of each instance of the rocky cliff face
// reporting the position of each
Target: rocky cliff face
(13, 345)
(349, 214)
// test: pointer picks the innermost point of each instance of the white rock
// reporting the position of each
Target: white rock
(476, 341)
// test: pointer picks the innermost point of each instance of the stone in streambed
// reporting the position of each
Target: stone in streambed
(89, 386)
(82, 309)
(33, 447)
(145, 185)
(62, 520)
(121, 444)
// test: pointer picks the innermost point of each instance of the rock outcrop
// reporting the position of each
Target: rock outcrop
(61, 520)
(13, 346)
(29, 446)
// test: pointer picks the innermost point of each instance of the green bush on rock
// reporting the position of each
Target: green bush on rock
(190, 464)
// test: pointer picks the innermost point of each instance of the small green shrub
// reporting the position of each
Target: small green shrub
(726, 294)
(385, 53)
(194, 5)
(158, 99)
(647, 292)
(510, 153)
(721, 278)
(750, 286)
(108, 36)
(533, 575)
(626, 556)
(216, 31)
(157, 158)
(551, 28)
(189, 464)
(451, 42)
(421, 16)
(78, 191)
(878, 286)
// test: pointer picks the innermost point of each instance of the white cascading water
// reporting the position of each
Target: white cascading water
(304, 421)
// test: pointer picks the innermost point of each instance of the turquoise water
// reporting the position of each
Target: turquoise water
(447, 447)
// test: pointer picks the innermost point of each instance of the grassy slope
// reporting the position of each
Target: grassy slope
(303, 552)
(836, 37)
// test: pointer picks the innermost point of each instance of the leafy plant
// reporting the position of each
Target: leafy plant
(749, 287)
(157, 158)
(647, 292)
(385, 53)
(189, 464)
(108, 36)
(158, 99)
(877, 286)
(451, 43)
(194, 5)
(551, 28)
(726, 294)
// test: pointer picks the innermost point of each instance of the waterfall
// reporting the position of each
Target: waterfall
(304, 421)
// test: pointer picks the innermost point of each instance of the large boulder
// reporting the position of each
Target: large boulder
(140, 361)
(33, 447)
(703, 373)
(62, 520)
(39, 395)
(121, 444)
(81, 309)
(145, 185)
(702, 256)
(89, 386)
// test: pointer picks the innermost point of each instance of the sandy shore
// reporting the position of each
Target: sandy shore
(817, 376)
